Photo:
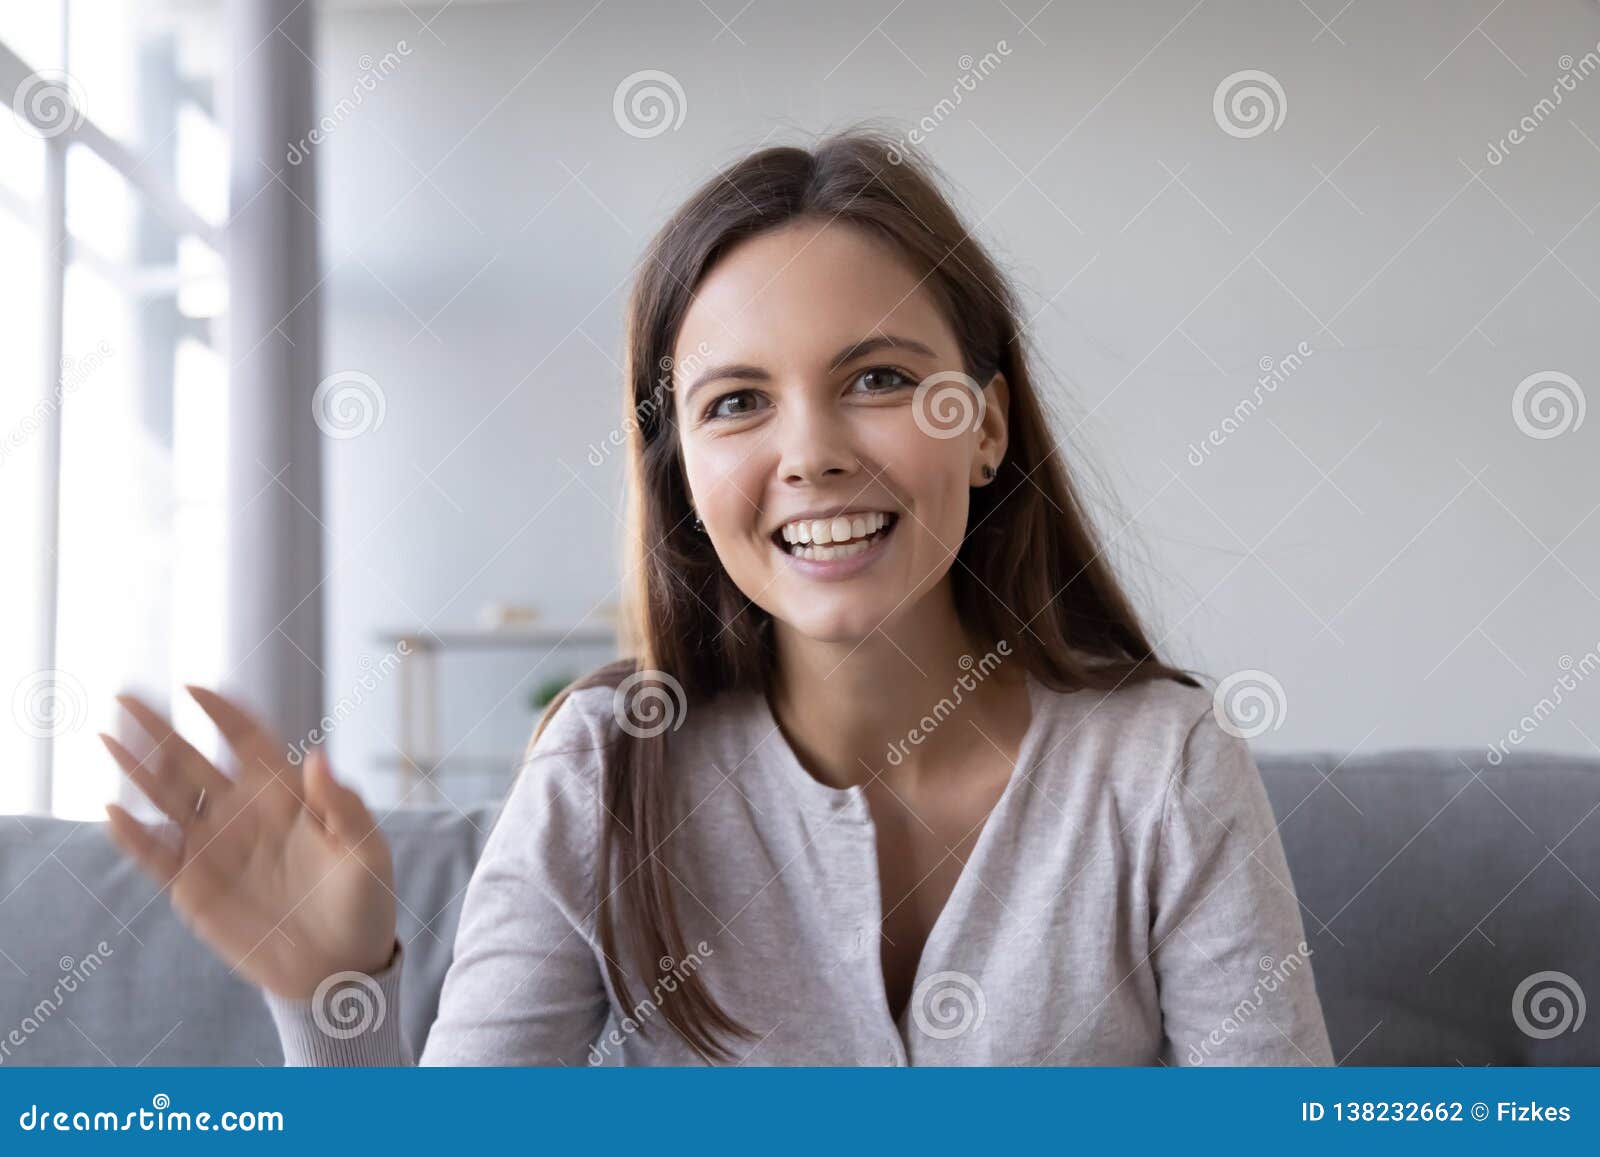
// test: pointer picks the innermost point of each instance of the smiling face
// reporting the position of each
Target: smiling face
(834, 490)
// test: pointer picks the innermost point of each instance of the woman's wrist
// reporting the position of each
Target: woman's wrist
(388, 961)
(364, 1030)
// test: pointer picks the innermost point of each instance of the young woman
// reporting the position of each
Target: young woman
(893, 774)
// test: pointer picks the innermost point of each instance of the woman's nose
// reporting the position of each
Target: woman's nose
(816, 443)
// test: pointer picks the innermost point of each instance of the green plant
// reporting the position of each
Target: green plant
(546, 690)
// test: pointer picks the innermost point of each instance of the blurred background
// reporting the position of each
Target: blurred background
(311, 317)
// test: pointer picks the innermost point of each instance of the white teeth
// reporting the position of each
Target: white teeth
(822, 539)
(824, 553)
(823, 531)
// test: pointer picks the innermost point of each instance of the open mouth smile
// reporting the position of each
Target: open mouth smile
(836, 547)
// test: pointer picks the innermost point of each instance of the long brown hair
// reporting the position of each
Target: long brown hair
(1029, 571)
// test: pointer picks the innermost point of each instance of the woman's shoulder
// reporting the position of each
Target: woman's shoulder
(1152, 709)
(566, 771)
(1137, 734)
(641, 704)
(559, 781)
(599, 715)
(577, 725)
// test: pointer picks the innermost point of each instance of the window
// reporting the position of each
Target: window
(113, 190)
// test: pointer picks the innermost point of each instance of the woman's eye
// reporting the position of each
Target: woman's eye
(882, 379)
(877, 380)
(728, 406)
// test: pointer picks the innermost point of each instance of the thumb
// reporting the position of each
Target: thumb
(340, 809)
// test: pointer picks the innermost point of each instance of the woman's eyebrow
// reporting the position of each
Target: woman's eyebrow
(850, 353)
(877, 342)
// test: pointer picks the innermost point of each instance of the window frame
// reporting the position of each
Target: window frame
(49, 217)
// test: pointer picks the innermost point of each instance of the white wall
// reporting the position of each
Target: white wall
(1378, 535)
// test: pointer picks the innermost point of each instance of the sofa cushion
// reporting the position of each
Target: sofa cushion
(1432, 885)
(96, 968)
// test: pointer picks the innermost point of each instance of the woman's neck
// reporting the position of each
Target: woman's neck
(854, 710)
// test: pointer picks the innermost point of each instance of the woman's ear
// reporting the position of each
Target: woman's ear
(990, 449)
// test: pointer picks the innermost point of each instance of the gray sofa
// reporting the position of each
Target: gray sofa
(1432, 886)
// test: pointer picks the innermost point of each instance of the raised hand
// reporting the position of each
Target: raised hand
(282, 872)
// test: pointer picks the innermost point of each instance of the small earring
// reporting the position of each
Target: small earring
(698, 525)
(988, 471)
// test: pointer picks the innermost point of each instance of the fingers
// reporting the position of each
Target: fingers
(341, 810)
(177, 752)
(176, 799)
(141, 845)
(260, 753)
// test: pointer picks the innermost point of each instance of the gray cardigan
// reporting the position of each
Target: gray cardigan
(1127, 903)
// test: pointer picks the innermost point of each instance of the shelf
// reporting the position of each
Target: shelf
(418, 677)
(509, 638)
(454, 764)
